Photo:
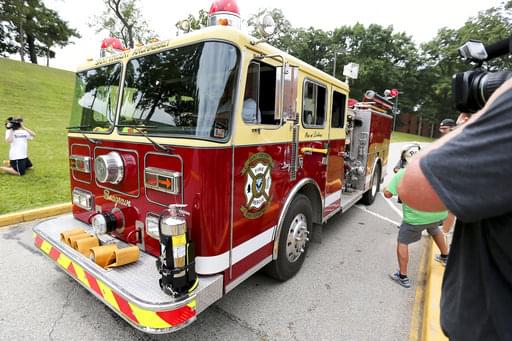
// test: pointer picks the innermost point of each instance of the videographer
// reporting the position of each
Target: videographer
(468, 171)
(17, 136)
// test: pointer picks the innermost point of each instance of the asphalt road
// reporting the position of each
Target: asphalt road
(342, 292)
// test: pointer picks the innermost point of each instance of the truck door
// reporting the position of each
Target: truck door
(335, 163)
(262, 164)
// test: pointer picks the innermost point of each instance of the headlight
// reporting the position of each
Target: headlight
(80, 163)
(82, 199)
(109, 168)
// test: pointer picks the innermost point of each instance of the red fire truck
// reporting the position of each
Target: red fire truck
(197, 161)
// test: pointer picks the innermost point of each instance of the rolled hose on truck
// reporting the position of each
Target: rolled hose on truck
(106, 256)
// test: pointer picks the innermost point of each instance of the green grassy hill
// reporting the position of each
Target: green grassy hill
(42, 96)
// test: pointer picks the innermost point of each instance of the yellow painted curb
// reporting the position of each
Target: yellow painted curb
(419, 299)
(36, 213)
(431, 318)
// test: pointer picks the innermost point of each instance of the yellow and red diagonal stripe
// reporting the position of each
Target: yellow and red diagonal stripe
(136, 314)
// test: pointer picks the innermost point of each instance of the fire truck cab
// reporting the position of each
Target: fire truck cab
(197, 161)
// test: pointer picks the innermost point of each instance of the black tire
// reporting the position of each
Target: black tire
(292, 251)
(371, 193)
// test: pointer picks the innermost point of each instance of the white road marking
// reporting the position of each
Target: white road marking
(396, 209)
(362, 208)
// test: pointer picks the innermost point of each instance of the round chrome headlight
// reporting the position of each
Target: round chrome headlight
(109, 168)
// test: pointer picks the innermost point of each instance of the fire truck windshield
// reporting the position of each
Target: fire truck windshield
(187, 91)
(95, 100)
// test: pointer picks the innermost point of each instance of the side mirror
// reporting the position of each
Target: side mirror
(288, 82)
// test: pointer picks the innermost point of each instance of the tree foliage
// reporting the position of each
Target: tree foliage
(123, 19)
(389, 59)
(195, 23)
(440, 59)
(386, 59)
(29, 27)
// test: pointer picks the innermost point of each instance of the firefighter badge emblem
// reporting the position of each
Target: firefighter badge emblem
(257, 169)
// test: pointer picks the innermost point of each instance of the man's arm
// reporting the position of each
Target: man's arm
(28, 130)
(415, 189)
(9, 135)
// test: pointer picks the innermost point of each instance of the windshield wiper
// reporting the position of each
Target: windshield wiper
(138, 128)
(86, 137)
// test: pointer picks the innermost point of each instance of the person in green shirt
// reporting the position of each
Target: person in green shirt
(413, 224)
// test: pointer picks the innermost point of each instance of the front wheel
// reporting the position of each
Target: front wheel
(293, 239)
(371, 194)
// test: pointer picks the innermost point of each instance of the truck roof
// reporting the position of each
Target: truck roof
(218, 33)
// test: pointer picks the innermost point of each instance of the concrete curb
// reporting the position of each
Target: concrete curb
(431, 312)
(33, 214)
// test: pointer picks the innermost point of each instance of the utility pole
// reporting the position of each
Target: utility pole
(396, 112)
(336, 52)
(334, 67)
(390, 94)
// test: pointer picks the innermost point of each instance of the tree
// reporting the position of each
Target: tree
(441, 61)
(33, 28)
(386, 60)
(123, 20)
(53, 31)
(7, 41)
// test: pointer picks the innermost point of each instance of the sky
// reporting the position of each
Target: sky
(417, 18)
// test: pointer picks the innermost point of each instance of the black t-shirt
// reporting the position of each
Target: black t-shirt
(472, 174)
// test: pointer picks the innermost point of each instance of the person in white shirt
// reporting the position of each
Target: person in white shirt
(17, 136)
(250, 112)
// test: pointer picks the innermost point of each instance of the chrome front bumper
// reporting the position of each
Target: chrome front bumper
(132, 291)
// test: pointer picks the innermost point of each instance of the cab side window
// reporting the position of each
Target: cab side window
(260, 94)
(313, 105)
(338, 109)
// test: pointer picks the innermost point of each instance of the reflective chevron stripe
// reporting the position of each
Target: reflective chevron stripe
(156, 320)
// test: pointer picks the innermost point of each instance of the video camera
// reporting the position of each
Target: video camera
(13, 123)
(471, 89)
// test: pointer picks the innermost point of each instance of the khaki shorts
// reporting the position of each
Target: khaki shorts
(412, 233)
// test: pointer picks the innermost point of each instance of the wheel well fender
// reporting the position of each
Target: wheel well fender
(377, 162)
(310, 189)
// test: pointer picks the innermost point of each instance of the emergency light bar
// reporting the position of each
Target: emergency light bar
(110, 46)
(225, 13)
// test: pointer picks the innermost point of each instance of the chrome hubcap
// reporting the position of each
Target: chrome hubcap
(297, 237)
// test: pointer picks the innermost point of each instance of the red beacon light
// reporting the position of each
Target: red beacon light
(352, 102)
(110, 46)
(224, 13)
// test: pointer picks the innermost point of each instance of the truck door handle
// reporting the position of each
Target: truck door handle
(309, 151)
(284, 166)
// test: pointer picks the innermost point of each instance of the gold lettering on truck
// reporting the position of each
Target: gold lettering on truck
(116, 199)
